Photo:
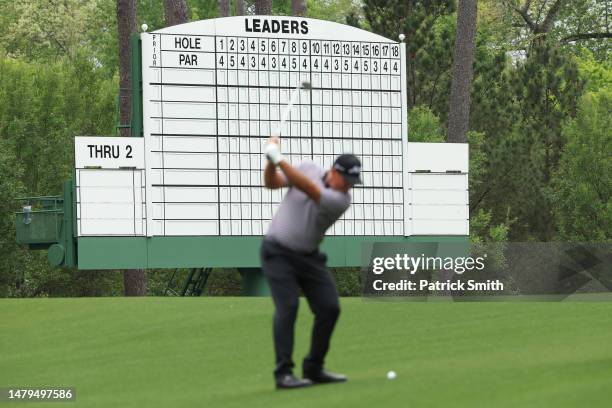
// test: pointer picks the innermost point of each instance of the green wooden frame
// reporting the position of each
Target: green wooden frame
(214, 251)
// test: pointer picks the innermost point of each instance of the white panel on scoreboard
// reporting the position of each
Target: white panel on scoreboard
(110, 202)
(438, 157)
(214, 90)
(438, 190)
(108, 152)
(110, 186)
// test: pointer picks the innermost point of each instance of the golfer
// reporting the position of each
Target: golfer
(291, 259)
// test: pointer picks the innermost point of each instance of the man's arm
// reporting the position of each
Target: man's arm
(294, 177)
(298, 179)
(272, 178)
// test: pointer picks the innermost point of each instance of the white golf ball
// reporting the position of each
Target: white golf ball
(144, 27)
(391, 375)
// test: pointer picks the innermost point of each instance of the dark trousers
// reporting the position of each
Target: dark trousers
(287, 272)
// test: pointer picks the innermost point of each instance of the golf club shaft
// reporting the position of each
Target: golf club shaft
(287, 109)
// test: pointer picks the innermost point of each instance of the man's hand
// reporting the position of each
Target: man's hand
(272, 178)
(273, 152)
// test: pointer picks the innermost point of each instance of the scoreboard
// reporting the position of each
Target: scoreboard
(214, 91)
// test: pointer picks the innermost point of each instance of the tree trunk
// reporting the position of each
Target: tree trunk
(224, 8)
(240, 11)
(134, 280)
(175, 12)
(126, 25)
(463, 59)
(410, 69)
(263, 7)
(298, 8)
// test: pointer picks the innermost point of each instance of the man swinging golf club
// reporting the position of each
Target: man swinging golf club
(291, 259)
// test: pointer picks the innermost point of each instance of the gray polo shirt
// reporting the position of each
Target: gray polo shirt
(299, 222)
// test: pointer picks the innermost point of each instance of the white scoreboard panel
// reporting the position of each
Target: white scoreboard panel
(438, 193)
(214, 90)
(110, 186)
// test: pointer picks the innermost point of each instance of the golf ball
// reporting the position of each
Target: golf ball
(391, 375)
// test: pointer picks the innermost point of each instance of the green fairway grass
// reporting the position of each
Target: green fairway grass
(217, 352)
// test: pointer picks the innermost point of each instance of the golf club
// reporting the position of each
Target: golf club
(292, 100)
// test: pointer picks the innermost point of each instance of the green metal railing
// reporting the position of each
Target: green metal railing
(48, 222)
(40, 220)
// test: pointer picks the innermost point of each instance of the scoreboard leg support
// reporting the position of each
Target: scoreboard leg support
(254, 282)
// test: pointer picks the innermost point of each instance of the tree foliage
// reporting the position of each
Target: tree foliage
(43, 106)
(581, 188)
(532, 101)
(570, 22)
(424, 126)
(47, 29)
(428, 30)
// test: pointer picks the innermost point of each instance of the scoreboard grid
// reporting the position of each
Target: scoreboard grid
(320, 127)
